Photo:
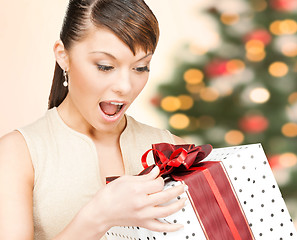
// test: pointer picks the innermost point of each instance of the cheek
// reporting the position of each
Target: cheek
(84, 83)
(140, 84)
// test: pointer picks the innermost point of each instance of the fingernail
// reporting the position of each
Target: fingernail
(187, 202)
(186, 188)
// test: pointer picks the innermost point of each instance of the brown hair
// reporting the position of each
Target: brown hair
(130, 20)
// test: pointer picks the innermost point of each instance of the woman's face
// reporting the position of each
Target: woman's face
(104, 79)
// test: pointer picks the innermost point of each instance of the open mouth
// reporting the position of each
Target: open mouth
(111, 109)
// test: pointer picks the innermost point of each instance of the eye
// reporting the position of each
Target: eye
(105, 68)
(142, 69)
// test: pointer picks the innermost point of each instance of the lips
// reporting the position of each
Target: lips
(111, 108)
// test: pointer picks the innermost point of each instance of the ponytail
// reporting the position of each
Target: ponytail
(58, 91)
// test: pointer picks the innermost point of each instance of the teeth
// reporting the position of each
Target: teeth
(116, 103)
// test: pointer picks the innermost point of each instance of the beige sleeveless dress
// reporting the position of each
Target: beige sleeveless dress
(66, 167)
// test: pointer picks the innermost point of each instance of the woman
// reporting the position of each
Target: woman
(52, 172)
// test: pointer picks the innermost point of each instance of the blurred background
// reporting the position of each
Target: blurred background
(224, 73)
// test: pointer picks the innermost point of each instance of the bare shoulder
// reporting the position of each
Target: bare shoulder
(14, 156)
(14, 138)
(16, 188)
(13, 146)
(179, 140)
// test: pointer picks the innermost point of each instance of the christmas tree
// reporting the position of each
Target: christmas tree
(245, 90)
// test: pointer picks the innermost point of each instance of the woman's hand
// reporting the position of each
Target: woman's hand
(136, 201)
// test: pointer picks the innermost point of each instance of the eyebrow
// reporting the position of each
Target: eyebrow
(110, 55)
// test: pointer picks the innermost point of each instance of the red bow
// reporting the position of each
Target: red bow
(175, 160)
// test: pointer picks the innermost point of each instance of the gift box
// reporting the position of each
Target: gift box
(232, 193)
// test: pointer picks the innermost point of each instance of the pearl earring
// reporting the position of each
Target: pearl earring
(65, 74)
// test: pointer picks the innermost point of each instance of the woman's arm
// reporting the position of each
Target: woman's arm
(127, 201)
(16, 186)
(16, 195)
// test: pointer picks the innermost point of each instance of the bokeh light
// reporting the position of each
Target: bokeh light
(193, 76)
(259, 34)
(259, 95)
(256, 57)
(289, 130)
(209, 94)
(278, 69)
(254, 46)
(288, 26)
(234, 137)
(280, 27)
(229, 18)
(255, 50)
(179, 121)
(283, 5)
(292, 98)
(259, 5)
(253, 123)
(186, 102)
(170, 104)
(289, 49)
(275, 27)
(194, 88)
(235, 66)
(287, 160)
(216, 68)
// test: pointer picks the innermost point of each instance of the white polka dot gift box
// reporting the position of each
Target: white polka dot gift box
(232, 194)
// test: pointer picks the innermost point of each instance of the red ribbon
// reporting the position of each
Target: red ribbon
(166, 165)
(182, 158)
(221, 203)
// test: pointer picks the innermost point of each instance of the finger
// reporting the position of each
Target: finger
(165, 211)
(151, 175)
(167, 195)
(157, 226)
(154, 186)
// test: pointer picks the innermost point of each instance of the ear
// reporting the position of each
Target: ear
(61, 55)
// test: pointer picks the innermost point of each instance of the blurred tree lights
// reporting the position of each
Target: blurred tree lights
(245, 90)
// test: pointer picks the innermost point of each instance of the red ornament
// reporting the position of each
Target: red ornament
(283, 5)
(216, 68)
(260, 34)
(253, 124)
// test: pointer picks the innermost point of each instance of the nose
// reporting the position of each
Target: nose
(122, 84)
